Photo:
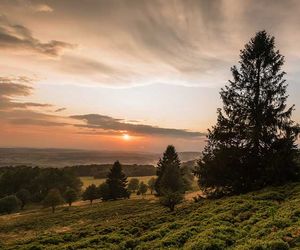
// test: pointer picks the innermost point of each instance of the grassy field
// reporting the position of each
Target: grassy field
(264, 220)
(91, 180)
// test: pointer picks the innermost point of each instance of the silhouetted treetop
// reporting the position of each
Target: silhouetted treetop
(253, 142)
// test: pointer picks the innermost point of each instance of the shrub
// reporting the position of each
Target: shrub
(53, 199)
(9, 204)
(142, 188)
(133, 184)
(24, 196)
(271, 195)
(170, 199)
(70, 195)
(90, 193)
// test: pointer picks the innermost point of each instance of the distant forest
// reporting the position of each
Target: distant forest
(101, 170)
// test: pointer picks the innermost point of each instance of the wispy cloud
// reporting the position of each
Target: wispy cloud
(24, 113)
(17, 37)
(12, 87)
(60, 110)
(97, 121)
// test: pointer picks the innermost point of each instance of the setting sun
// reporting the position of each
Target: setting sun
(126, 137)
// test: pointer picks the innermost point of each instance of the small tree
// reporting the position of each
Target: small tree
(133, 185)
(170, 184)
(24, 196)
(143, 188)
(117, 182)
(70, 196)
(151, 184)
(90, 193)
(53, 199)
(103, 191)
(170, 199)
(9, 204)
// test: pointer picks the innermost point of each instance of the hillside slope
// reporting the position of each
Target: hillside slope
(268, 219)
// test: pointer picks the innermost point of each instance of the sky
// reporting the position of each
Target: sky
(132, 75)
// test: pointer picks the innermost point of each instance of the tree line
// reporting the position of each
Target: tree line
(100, 170)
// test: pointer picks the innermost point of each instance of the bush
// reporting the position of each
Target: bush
(53, 199)
(133, 184)
(272, 195)
(142, 188)
(70, 195)
(9, 204)
(271, 245)
(91, 193)
(24, 196)
(170, 199)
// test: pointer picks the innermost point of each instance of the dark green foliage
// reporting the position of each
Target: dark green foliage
(236, 222)
(142, 188)
(70, 195)
(170, 183)
(53, 199)
(133, 185)
(9, 204)
(117, 182)
(171, 199)
(24, 196)
(90, 193)
(38, 181)
(103, 191)
(253, 143)
(169, 175)
(101, 170)
(151, 184)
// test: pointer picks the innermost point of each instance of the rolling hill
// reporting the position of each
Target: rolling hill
(70, 157)
(264, 220)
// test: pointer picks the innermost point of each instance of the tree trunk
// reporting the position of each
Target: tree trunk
(172, 206)
(53, 209)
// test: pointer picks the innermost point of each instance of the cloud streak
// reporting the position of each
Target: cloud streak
(23, 114)
(18, 37)
(97, 121)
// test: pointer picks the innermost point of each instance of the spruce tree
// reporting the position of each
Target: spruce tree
(170, 183)
(117, 182)
(90, 193)
(253, 143)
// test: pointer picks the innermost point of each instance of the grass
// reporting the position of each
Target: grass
(89, 180)
(264, 220)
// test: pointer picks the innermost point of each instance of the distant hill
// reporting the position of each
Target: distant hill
(69, 157)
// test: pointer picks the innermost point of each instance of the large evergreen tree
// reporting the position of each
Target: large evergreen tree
(253, 143)
(117, 182)
(170, 184)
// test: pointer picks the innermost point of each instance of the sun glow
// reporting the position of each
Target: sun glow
(126, 137)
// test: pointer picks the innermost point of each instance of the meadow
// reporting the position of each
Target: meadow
(264, 220)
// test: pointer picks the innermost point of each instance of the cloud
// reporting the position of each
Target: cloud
(32, 6)
(25, 113)
(139, 42)
(41, 8)
(13, 87)
(17, 37)
(20, 112)
(96, 121)
(60, 110)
